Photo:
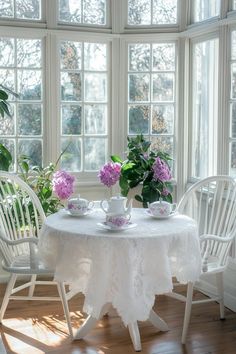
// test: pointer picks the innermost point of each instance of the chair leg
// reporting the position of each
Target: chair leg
(62, 293)
(8, 291)
(187, 313)
(32, 286)
(220, 289)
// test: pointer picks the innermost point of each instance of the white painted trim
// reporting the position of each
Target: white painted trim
(229, 299)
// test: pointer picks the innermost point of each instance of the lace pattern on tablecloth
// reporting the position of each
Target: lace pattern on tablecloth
(127, 272)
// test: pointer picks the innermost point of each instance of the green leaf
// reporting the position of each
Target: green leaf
(25, 166)
(3, 95)
(116, 158)
(5, 158)
(138, 198)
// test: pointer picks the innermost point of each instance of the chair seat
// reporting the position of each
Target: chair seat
(23, 265)
(213, 266)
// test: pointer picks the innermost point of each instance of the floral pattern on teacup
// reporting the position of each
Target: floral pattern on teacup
(117, 221)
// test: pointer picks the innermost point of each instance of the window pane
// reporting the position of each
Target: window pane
(139, 57)
(94, 12)
(7, 78)
(95, 153)
(163, 56)
(164, 144)
(95, 56)
(139, 87)
(71, 119)
(164, 12)
(95, 119)
(139, 12)
(205, 9)
(33, 149)
(7, 52)
(163, 87)
(6, 8)
(71, 55)
(71, 159)
(29, 53)
(70, 11)
(233, 159)
(70, 86)
(91, 12)
(234, 4)
(95, 87)
(163, 119)
(205, 108)
(28, 9)
(233, 80)
(233, 119)
(29, 119)
(139, 119)
(29, 84)
(7, 125)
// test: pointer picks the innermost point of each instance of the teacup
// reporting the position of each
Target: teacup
(162, 208)
(79, 206)
(117, 221)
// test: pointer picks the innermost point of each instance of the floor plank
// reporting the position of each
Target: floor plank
(39, 327)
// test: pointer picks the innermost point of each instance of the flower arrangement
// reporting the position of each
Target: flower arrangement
(62, 184)
(142, 166)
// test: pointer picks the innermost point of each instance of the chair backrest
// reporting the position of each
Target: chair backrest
(21, 214)
(212, 203)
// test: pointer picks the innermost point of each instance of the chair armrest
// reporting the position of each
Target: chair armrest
(205, 238)
(17, 242)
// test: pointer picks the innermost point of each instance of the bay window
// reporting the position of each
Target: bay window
(21, 9)
(204, 9)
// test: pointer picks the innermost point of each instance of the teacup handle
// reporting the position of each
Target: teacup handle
(101, 205)
(174, 207)
(90, 205)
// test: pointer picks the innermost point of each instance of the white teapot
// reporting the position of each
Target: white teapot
(79, 206)
(162, 208)
(116, 206)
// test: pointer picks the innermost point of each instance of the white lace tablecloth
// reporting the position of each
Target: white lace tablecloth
(125, 268)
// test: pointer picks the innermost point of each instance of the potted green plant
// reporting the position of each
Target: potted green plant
(142, 166)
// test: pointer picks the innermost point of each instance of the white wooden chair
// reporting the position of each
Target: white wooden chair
(212, 203)
(21, 216)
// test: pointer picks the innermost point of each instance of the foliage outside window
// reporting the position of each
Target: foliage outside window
(87, 12)
(151, 93)
(204, 107)
(84, 104)
(204, 9)
(152, 12)
(21, 9)
(21, 71)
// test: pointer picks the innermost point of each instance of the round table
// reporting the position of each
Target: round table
(123, 268)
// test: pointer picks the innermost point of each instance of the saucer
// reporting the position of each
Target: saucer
(88, 212)
(148, 212)
(128, 226)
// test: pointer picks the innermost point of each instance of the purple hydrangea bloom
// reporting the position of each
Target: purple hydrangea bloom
(110, 173)
(161, 170)
(165, 192)
(62, 184)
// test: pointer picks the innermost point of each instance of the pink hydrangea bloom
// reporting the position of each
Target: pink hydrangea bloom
(161, 170)
(62, 184)
(110, 173)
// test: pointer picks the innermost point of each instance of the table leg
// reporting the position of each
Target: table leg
(135, 336)
(158, 322)
(90, 323)
(84, 329)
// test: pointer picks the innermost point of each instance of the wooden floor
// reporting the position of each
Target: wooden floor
(39, 327)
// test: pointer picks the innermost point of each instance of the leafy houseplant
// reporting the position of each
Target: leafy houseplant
(146, 167)
(5, 155)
